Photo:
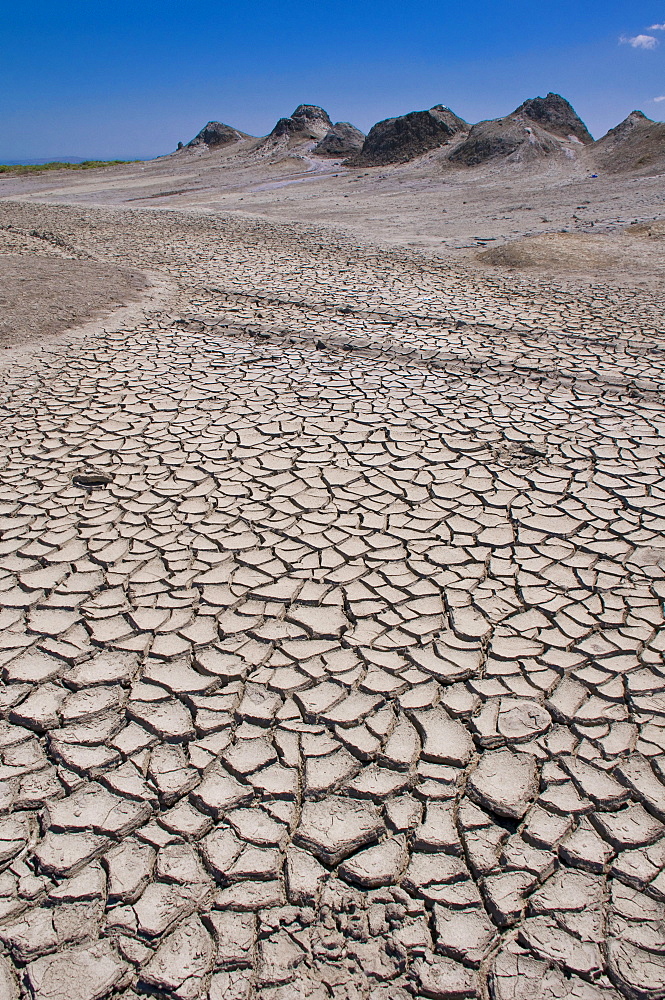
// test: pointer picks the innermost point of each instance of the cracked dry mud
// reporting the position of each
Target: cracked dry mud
(346, 680)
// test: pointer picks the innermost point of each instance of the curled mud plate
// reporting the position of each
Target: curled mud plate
(90, 480)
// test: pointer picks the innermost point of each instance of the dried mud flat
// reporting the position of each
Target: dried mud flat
(332, 591)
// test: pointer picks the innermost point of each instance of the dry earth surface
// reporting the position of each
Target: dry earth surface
(424, 204)
(332, 583)
(44, 296)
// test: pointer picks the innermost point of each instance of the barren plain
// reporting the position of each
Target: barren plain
(332, 576)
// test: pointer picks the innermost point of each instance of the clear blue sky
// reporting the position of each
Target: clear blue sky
(106, 78)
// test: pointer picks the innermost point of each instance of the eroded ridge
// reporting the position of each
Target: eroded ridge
(332, 675)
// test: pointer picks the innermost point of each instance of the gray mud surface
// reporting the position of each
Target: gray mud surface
(43, 294)
(332, 623)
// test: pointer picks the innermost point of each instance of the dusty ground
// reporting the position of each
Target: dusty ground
(41, 297)
(346, 680)
(634, 256)
(423, 204)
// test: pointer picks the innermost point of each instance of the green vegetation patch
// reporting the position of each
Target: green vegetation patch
(38, 168)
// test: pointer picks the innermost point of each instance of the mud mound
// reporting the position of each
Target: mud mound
(517, 138)
(43, 296)
(651, 230)
(555, 252)
(637, 144)
(397, 140)
(554, 114)
(307, 121)
(216, 134)
(343, 139)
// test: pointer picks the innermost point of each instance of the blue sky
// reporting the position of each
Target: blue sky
(103, 79)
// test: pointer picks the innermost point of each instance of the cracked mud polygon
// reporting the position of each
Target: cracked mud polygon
(342, 675)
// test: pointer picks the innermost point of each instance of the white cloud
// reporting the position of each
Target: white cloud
(657, 27)
(658, 99)
(640, 41)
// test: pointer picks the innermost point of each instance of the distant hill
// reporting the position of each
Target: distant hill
(504, 138)
(554, 114)
(38, 162)
(307, 120)
(637, 144)
(48, 159)
(308, 131)
(397, 140)
(341, 141)
(216, 134)
(541, 130)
